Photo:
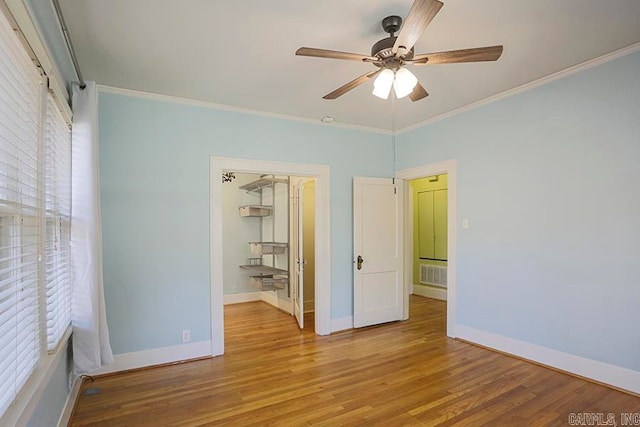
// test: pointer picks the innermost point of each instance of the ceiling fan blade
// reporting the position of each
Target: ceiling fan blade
(418, 93)
(419, 17)
(489, 53)
(351, 85)
(334, 54)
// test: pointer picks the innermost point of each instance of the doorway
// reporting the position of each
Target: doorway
(302, 255)
(449, 168)
(269, 241)
(429, 199)
(320, 173)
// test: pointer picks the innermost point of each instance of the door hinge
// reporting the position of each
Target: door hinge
(394, 190)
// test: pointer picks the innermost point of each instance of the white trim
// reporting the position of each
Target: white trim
(72, 397)
(527, 86)
(341, 324)
(430, 292)
(323, 238)
(240, 298)
(616, 376)
(156, 356)
(22, 14)
(225, 107)
(450, 168)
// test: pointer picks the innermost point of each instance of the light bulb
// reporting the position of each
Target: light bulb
(382, 84)
(404, 83)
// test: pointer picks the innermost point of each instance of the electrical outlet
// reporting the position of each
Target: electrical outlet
(186, 335)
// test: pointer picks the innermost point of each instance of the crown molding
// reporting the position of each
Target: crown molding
(527, 86)
(224, 107)
(502, 95)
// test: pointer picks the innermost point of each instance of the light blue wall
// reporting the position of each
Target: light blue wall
(154, 171)
(549, 182)
(548, 258)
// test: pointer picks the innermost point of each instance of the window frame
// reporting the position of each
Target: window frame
(17, 13)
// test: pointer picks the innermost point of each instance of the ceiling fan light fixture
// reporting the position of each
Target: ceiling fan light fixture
(404, 83)
(382, 84)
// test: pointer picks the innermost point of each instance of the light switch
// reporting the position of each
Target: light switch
(465, 223)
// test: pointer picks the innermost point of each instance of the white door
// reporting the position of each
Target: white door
(377, 262)
(297, 280)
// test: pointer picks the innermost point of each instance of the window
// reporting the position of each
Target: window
(35, 164)
(57, 167)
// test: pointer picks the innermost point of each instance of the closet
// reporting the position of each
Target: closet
(268, 241)
(268, 264)
(432, 224)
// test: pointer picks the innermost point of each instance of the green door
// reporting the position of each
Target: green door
(440, 224)
(425, 224)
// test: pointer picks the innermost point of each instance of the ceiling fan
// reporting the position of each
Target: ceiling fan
(391, 54)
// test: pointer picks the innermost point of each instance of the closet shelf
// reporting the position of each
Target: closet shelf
(269, 283)
(265, 270)
(256, 210)
(261, 276)
(268, 248)
(259, 184)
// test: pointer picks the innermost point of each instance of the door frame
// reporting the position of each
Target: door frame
(450, 168)
(322, 241)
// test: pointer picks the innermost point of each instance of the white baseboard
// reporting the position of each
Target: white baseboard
(67, 411)
(240, 298)
(342, 324)
(156, 356)
(430, 292)
(271, 298)
(615, 376)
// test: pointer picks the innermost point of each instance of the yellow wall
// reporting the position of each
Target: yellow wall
(308, 242)
(423, 185)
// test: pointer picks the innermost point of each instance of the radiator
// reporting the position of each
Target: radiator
(434, 275)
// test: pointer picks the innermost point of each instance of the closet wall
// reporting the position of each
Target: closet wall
(256, 238)
(237, 232)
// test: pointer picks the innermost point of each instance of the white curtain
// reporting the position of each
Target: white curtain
(91, 348)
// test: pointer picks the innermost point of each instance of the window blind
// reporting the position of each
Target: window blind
(57, 170)
(20, 207)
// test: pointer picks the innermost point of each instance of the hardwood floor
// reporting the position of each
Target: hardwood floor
(404, 373)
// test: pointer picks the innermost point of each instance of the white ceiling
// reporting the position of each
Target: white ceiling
(241, 53)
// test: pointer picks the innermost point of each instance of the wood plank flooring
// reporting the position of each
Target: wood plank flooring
(404, 373)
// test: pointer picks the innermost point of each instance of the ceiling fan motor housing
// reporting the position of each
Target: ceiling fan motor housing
(382, 48)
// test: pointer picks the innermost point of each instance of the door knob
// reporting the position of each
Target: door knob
(360, 261)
